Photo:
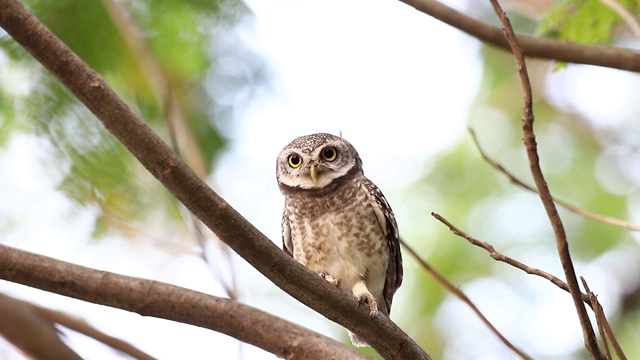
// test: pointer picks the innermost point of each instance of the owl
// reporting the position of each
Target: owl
(337, 223)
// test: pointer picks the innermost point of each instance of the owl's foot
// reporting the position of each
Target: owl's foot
(362, 293)
(331, 279)
(373, 305)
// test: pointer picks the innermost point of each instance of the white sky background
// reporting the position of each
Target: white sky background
(394, 81)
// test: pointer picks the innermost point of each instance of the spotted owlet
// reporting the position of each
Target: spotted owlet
(337, 223)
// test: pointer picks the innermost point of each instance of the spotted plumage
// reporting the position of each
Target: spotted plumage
(337, 223)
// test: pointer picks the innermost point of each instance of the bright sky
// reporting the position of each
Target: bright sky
(393, 81)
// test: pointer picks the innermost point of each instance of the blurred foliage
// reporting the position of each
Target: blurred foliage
(463, 188)
(158, 56)
(583, 21)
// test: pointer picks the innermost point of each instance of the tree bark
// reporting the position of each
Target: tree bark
(624, 59)
(157, 299)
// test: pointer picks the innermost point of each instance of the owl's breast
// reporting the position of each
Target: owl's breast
(339, 236)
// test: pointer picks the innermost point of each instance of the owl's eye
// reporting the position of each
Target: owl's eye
(295, 160)
(329, 154)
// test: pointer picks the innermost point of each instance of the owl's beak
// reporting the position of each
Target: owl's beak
(314, 173)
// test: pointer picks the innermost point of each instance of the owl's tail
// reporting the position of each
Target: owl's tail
(356, 340)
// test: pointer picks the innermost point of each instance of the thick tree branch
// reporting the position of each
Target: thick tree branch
(381, 333)
(623, 59)
(157, 299)
(543, 189)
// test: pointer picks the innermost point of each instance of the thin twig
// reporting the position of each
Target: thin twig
(589, 298)
(216, 269)
(590, 215)
(626, 15)
(594, 300)
(180, 137)
(86, 329)
(603, 323)
(505, 259)
(33, 334)
(545, 195)
(460, 295)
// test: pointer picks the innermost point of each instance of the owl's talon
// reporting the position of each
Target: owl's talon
(331, 279)
(373, 305)
(362, 293)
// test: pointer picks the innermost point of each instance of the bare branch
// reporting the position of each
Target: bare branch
(505, 259)
(380, 332)
(623, 59)
(181, 138)
(228, 283)
(589, 298)
(157, 299)
(603, 324)
(31, 332)
(545, 195)
(594, 300)
(84, 328)
(464, 298)
(590, 215)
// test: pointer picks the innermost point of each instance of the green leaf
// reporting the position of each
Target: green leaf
(583, 21)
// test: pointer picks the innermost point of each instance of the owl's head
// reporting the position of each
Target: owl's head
(315, 161)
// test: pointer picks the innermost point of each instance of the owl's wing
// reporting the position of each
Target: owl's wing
(287, 245)
(388, 222)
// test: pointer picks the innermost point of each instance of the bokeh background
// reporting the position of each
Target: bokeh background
(229, 83)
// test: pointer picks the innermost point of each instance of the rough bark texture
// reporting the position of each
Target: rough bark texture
(157, 299)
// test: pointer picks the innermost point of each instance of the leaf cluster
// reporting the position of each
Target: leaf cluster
(583, 21)
(158, 56)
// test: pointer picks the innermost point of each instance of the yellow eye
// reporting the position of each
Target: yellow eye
(295, 160)
(329, 154)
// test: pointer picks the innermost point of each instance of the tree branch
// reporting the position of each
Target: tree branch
(181, 138)
(615, 58)
(505, 259)
(24, 323)
(590, 215)
(545, 195)
(157, 299)
(84, 328)
(35, 335)
(590, 298)
(603, 324)
(380, 332)
(464, 298)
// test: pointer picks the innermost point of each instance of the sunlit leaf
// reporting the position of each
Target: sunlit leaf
(583, 21)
